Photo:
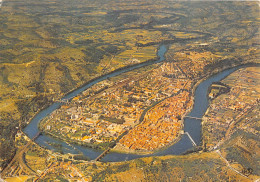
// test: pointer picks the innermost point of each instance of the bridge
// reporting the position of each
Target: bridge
(192, 117)
(65, 101)
(192, 141)
(36, 136)
(103, 154)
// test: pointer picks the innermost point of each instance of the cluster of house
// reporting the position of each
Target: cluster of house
(104, 112)
(59, 168)
(193, 63)
(161, 124)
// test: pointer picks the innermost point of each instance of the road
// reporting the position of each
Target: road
(18, 162)
(228, 164)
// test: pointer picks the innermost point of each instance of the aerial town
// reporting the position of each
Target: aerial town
(129, 90)
(144, 111)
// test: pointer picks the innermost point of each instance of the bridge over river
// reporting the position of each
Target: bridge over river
(192, 117)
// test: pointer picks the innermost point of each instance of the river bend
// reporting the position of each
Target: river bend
(193, 126)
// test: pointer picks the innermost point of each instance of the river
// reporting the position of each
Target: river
(193, 126)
